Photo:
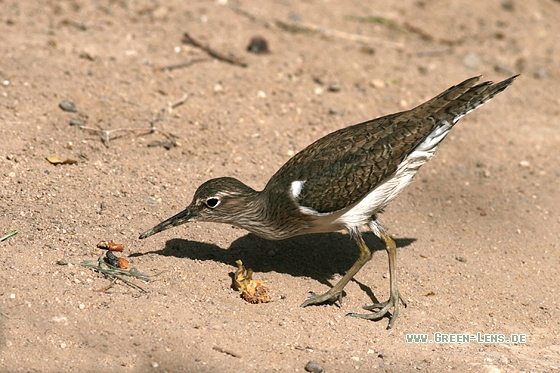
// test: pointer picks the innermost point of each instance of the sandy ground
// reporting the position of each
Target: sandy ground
(478, 231)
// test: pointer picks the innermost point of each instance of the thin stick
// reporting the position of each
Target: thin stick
(426, 36)
(106, 288)
(224, 351)
(187, 39)
(113, 271)
(179, 65)
(116, 273)
(438, 52)
(162, 114)
(244, 13)
(106, 134)
(8, 235)
(313, 28)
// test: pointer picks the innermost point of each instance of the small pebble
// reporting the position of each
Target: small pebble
(540, 73)
(377, 83)
(68, 106)
(472, 60)
(218, 87)
(507, 5)
(313, 367)
(111, 259)
(77, 122)
(461, 259)
(258, 45)
(491, 369)
(334, 87)
(164, 144)
(367, 50)
(296, 17)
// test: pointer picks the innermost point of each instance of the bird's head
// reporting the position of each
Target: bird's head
(221, 200)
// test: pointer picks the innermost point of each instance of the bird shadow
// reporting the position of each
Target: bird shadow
(318, 256)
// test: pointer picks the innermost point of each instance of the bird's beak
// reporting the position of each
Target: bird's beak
(181, 218)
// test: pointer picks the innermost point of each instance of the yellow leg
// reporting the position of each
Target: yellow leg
(395, 296)
(335, 293)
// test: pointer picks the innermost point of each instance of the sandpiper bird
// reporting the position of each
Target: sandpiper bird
(342, 181)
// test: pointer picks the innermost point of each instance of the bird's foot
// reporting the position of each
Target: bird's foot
(328, 297)
(383, 308)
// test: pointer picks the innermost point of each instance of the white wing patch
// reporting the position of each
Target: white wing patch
(296, 188)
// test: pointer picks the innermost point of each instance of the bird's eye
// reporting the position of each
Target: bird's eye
(212, 202)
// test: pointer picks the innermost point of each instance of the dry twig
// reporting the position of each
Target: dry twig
(180, 65)
(162, 114)
(187, 39)
(116, 273)
(313, 28)
(8, 235)
(103, 290)
(426, 36)
(227, 352)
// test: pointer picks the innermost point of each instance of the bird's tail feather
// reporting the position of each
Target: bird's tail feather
(470, 99)
(454, 104)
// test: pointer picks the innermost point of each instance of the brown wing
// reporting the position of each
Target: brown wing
(342, 167)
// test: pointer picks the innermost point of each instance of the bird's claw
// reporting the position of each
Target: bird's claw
(328, 297)
(384, 308)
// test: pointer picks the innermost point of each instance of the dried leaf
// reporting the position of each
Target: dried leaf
(256, 292)
(253, 291)
(122, 263)
(242, 276)
(53, 159)
(110, 245)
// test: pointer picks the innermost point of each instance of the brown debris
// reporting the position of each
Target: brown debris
(110, 245)
(53, 159)
(122, 263)
(253, 291)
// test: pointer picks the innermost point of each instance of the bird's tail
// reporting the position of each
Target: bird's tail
(451, 105)
(463, 98)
